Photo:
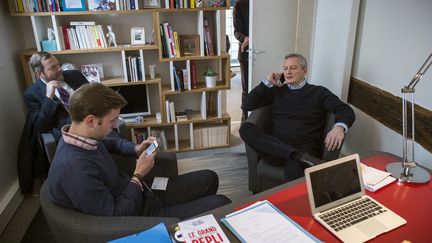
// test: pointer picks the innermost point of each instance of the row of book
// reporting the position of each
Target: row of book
(140, 135)
(82, 35)
(208, 41)
(194, 3)
(210, 136)
(32, 6)
(134, 66)
(169, 39)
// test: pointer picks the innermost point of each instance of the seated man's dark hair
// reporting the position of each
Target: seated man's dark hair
(94, 99)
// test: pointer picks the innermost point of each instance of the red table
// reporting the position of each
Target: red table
(413, 202)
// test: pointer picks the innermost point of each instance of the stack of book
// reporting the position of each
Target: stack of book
(210, 136)
(134, 68)
(82, 35)
(169, 39)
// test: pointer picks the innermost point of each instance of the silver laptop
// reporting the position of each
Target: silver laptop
(338, 201)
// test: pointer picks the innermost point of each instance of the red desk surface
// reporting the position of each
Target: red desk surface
(413, 202)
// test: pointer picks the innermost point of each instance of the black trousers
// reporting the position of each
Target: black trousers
(275, 151)
(185, 196)
(244, 69)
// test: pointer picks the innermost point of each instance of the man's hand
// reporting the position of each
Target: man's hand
(244, 44)
(51, 86)
(334, 138)
(140, 148)
(144, 163)
(274, 78)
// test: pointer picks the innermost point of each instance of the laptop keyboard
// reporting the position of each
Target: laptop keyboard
(352, 213)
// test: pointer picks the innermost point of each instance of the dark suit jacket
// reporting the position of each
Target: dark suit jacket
(241, 25)
(49, 115)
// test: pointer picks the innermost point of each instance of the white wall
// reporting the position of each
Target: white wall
(393, 40)
(11, 113)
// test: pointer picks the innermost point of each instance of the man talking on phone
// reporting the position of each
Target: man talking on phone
(83, 175)
(299, 111)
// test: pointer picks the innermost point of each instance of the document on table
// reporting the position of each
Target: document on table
(263, 222)
(375, 179)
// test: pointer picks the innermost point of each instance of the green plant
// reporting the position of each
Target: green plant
(210, 71)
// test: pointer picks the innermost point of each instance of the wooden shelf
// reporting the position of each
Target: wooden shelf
(166, 89)
(224, 55)
(120, 81)
(93, 50)
(150, 121)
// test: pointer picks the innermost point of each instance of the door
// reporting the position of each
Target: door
(272, 35)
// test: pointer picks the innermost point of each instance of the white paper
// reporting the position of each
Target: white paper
(385, 182)
(372, 176)
(263, 223)
(160, 183)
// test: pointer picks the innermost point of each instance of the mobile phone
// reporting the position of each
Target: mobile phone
(153, 146)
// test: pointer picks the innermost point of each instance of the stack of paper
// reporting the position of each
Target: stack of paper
(375, 179)
(263, 222)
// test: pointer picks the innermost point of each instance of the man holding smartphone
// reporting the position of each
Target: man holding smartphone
(299, 111)
(83, 175)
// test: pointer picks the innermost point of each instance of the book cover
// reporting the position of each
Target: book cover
(92, 72)
(101, 5)
(194, 81)
(158, 233)
(202, 229)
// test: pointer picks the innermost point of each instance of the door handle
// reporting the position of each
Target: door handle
(258, 51)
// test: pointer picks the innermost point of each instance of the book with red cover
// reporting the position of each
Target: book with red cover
(194, 81)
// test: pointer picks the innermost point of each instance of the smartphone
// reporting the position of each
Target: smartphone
(282, 79)
(152, 147)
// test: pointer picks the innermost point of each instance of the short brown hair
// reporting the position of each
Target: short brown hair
(94, 99)
(302, 59)
(36, 60)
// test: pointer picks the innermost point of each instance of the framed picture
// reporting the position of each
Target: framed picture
(151, 3)
(137, 36)
(101, 5)
(73, 5)
(189, 45)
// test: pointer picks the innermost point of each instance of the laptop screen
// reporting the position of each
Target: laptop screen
(335, 182)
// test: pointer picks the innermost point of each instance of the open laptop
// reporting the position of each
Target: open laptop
(336, 194)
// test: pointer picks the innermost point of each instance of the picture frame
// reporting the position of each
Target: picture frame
(73, 5)
(138, 36)
(189, 45)
(101, 5)
(151, 4)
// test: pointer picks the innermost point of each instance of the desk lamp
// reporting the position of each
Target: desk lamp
(407, 170)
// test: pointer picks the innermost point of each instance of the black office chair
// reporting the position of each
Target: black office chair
(262, 175)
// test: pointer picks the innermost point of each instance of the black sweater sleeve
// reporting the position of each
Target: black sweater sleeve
(343, 112)
(261, 95)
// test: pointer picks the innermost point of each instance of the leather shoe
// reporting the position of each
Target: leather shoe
(310, 160)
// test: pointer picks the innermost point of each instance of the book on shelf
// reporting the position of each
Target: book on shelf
(82, 35)
(202, 229)
(211, 104)
(172, 111)
(208, 39)
(92, 72)
(167, 110)
(194, 81)
(210, 135)
(101, 5)
(82, 23)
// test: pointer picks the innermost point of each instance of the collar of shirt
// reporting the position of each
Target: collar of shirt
(82, 142)
(298, 86)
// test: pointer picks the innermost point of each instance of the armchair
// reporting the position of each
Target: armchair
(69, 225)
(262, 175)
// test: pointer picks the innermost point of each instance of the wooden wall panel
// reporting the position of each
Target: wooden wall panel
(387, 109)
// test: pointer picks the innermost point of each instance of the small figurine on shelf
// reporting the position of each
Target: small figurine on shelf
(111, 36)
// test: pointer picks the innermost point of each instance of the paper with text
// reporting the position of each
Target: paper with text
(263, 222)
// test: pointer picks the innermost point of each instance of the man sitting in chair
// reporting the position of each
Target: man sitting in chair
(47, 100)
(299, 112)
(83, 175)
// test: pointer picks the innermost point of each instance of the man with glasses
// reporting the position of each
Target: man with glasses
(299, 112)
(47, 100)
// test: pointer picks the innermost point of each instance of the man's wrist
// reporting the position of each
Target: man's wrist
(267, 83)
(343, 125)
